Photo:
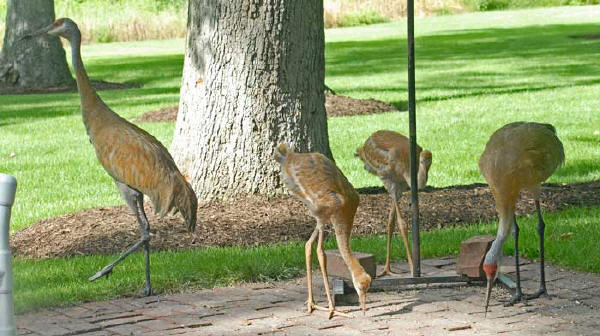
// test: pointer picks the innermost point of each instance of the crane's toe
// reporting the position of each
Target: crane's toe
(537, 294)
(514, 299)
(147, 291)
(332, 312)
(310, 305)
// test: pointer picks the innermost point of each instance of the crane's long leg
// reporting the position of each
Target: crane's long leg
(390, 230)
(145, 233)
(323, 264)
(134, 200)
(541, 228)
(404, 232)
(518, 293)
(310, 302)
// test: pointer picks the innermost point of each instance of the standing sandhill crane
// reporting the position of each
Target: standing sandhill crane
(319, 184)
(386, 154)
(138, 162)
(518, 156)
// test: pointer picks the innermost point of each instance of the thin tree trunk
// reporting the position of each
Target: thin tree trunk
(35, 62)
(253, 77)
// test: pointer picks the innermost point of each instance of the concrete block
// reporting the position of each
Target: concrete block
(472, 253)
(337, 267)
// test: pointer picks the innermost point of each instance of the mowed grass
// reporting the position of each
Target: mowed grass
(475, 72)
(467, 88)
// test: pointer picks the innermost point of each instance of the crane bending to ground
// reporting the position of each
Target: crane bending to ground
(518, 156)
(139, 164)
(322, 187)
(386, 154)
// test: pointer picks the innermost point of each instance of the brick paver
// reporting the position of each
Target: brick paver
(573, 308)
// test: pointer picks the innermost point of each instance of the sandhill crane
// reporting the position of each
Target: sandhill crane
(319, 184)
(138, 162)
(386, 154)
(518, 156)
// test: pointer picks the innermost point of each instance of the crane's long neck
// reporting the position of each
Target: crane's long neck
(343, 241)
(87, 94)
(504, 227)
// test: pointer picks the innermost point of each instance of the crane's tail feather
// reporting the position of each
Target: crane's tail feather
(561, 151)
(550, 127)
(281, 152)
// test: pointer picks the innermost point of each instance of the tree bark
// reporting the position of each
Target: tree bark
(34, 62)
(253, 77)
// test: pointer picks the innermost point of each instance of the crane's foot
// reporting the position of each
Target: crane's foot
(147, 291)
(540, 292)
(519, 297)
(332, 312)
(310, 305)
(105, 271)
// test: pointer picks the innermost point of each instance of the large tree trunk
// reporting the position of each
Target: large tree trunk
(253, 77)
(34, 62)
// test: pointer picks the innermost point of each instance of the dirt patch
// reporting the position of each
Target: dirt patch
(97, 84)
(335, 105)
(254, 221)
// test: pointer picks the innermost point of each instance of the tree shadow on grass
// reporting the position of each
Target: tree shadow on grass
(540, 58)
(147, 71)
(577, 169)
(473, 62)
(21, 109)
(144, 70)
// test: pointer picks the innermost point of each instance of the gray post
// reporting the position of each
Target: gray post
(8, 187)
(412, 129)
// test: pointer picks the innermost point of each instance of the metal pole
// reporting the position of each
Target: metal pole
(412, 128)
(8, 187)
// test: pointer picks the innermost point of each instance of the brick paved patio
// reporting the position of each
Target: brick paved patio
(278, 309)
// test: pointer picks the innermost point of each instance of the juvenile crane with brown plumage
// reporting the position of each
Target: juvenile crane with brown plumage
(386, 154)
(518, 156)
(319, 184)
(137, 161)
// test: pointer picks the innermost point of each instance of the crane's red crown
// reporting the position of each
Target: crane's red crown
(490, 270)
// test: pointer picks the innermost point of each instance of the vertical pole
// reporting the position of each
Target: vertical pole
(412, 127)
(8, 187)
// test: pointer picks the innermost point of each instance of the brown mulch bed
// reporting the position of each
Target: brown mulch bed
(254, 221)
(335, 105)
(339, 106)
(96, 84)
(164, 114)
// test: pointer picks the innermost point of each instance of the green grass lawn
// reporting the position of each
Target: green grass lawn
(475, 72)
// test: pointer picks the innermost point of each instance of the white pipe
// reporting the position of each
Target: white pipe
(8, 187)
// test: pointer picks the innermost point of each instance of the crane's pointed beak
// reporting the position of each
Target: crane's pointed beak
(36, 33)
(363, 303)
(490, 284)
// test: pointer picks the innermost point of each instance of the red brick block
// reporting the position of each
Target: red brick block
(337, 267)
(472, 253)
